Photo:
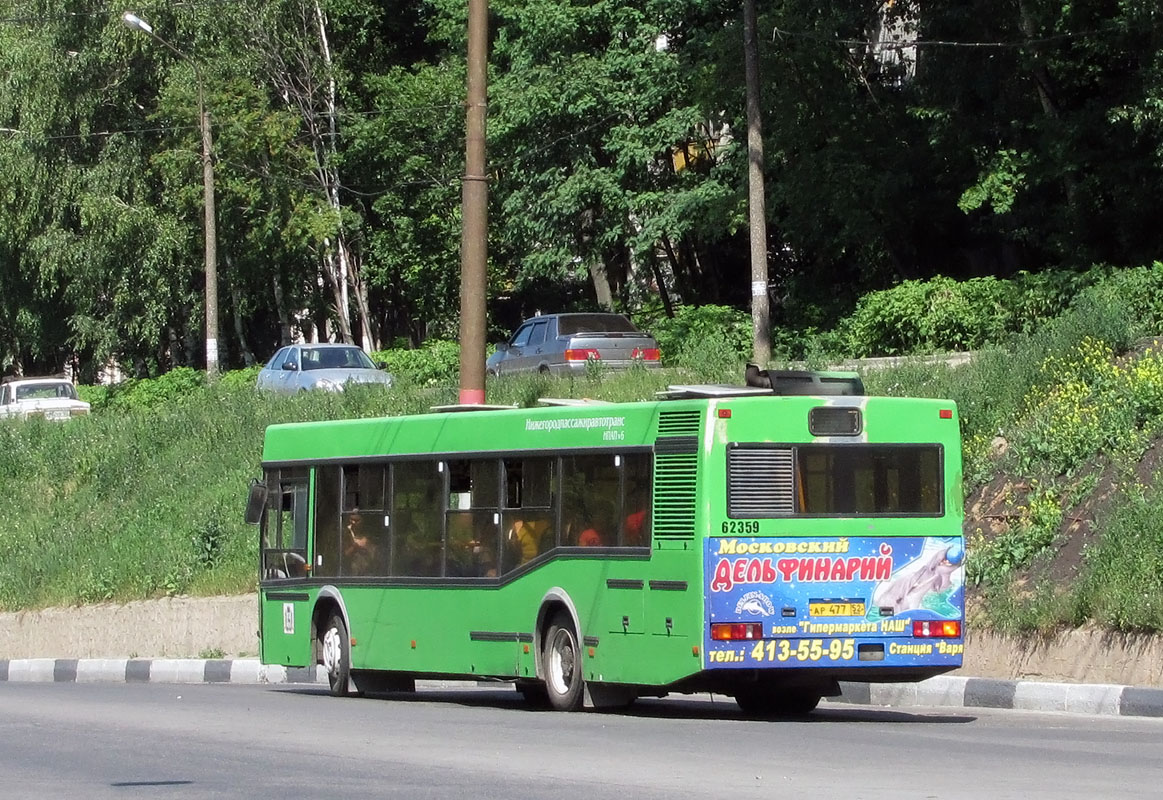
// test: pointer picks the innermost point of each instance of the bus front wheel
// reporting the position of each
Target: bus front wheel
(337, 655)
(562, 665)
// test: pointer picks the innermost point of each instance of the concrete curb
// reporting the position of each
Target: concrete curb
(942, 691)
(154, 670)
(946, 691)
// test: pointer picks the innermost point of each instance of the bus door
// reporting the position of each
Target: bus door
(284, 544)
(284, 609)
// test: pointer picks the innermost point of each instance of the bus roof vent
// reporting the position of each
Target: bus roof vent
(804, 382)
(764, 383)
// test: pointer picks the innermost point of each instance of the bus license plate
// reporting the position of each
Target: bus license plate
(848, 609)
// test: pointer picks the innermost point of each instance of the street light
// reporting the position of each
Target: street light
(136, 22)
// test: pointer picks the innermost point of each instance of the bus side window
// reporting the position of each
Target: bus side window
(638, 475)
(417, 518)
(284, 525)
(364, 531)
(591, 500)
(473, 545)
(528, 518)
(327, 527)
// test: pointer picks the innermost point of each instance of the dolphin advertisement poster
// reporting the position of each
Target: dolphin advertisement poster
(835, 601)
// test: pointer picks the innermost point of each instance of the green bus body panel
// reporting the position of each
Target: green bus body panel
(648, 626)
(467, 431)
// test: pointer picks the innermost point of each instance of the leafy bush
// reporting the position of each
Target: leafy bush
(685, 337)
(435, 362)
(240, 378)
(174, 386)
(931, 316)
(96, 396)
(810, 345)
(1139, 293)
(943, 314)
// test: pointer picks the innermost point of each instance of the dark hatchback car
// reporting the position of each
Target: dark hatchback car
(562, 344)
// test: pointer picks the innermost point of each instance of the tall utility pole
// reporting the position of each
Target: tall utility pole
(474, 212)
(756, 205)
(211, 228)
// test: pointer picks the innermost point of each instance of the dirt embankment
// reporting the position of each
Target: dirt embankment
(188, 627)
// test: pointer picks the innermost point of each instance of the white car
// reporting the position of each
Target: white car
(50, 398)
(329, 367)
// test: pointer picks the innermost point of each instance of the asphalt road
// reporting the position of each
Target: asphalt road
(162, 741)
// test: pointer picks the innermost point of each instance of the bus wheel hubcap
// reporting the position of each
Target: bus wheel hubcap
(332, 652)
(562, 662)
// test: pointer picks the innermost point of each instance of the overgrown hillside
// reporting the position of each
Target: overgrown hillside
(1061, 429)
(145, 496)
(1061, 416)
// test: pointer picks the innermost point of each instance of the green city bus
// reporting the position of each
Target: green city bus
(763, 541)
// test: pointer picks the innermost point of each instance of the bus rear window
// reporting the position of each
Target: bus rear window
(834, 480)
(869, 480)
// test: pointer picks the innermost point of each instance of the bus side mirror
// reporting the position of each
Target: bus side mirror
(256, 502)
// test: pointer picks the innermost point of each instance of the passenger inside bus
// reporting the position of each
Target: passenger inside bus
(589, 538)
(583, 533)
(636, 530)
(527, 537)
(359, 549)
(472, 545)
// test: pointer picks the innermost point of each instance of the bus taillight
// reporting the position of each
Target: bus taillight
(582, 354)
(929, 628)
(730, 631)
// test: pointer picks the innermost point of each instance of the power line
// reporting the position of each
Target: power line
(896, 44)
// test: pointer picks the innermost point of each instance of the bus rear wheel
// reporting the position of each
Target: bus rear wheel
(765, 703)
(336, 647)
(561, 665)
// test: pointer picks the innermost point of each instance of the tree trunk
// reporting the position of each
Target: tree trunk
(757, 210)
(601, 281)
(660, 282)
(1047, 93)
(682, 278)
(336, 280)
(293, 64)
(281, 310)
(239, 333)
(348, 266)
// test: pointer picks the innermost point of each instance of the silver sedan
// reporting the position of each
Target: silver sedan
(330, 367)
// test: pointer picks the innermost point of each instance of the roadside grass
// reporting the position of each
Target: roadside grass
(1123, 589)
